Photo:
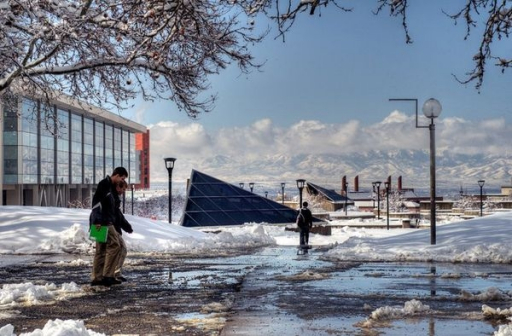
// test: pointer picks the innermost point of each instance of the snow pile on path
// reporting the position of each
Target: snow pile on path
(55, 327)
(28, 293)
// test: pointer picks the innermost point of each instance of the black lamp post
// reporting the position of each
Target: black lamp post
(251, 185)
(282, 192)
(266, 194)
(481, 185)
(300, 185)
(376, 185)
(169, 164)
(133, 187)
(241, 184)
(346, 197)
(386, 184)
(373, 196)
(431, 109)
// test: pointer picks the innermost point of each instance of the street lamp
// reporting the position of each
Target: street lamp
(282, 192)
(387, 185)
(266, 194)
(376, 185)
(431, 109)
(300, 185)
(481, 184)
(133, 187)
(241, 185)
(169, 164)
(373, 196)
(251, 185)
(346, 197)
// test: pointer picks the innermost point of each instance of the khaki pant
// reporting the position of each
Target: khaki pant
(122, 257)
(106, 257)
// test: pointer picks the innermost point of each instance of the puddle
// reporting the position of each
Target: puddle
(438, 327)
(417, 279)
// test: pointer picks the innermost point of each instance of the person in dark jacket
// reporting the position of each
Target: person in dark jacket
(121, 224)
(106, 256)
(307, 224)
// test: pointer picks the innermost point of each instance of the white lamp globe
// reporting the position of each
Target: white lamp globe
(432, 108)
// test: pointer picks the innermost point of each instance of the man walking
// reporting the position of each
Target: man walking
(106, 257)
(307, 220)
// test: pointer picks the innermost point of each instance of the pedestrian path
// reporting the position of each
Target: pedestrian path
(304, 295)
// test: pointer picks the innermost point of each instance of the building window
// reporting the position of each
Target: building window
(47, 148)
(62, 147)
(76, 149)
(28, 145)
(88, 150)
(99, 137)
(109, 152)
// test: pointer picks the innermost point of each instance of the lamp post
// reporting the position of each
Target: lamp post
(346, 197)
(481, 185)
(251, 185)
(169, 164)
(282, 192)
(373, 196)
(241, 184)
(431, 109)
(133, 187)
(376, 185)
(386, 184)
(300, 185)
(266, 194)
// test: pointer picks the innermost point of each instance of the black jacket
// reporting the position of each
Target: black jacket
(308, 217)
(106, 215)
(121, 224)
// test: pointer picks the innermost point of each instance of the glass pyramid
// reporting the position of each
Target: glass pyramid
(212, 202)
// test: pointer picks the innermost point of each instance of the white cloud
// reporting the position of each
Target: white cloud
(193, 145)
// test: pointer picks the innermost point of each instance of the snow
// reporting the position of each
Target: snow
(36, 230)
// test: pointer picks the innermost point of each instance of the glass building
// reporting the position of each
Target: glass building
(55, 155)
(212, 202)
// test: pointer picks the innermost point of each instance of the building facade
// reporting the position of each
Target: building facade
(142, 147)
(55, 155)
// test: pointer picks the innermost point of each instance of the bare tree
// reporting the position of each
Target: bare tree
(107, 52)
(494, 15)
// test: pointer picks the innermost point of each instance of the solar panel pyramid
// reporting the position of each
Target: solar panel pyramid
(212, 202)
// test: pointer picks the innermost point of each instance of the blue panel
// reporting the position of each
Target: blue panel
(212, 202)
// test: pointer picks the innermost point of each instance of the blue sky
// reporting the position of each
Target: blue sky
(327, 88)
(343, 66)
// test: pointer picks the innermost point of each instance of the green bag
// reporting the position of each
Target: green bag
(98, 235)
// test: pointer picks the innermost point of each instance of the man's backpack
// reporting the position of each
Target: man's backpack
(300, 220)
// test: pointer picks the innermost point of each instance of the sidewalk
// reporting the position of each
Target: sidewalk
(270, 292)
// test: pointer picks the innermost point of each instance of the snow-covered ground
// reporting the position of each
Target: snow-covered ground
(35, 230)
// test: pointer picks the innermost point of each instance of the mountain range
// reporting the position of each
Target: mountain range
(453, 170)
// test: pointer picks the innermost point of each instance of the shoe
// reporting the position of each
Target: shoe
(96, 282)
(121, 278)
(110, 281)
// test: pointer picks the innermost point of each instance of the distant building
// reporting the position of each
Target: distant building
(212, 202)
(328, 199)
(54, 156)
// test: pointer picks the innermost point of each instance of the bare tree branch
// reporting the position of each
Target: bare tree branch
(107, 52)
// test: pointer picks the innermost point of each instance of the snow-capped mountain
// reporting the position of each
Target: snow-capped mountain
(452, 170)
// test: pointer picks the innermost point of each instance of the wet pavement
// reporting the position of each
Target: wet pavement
(272, 291)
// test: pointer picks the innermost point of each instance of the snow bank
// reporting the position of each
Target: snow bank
(484, 240)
